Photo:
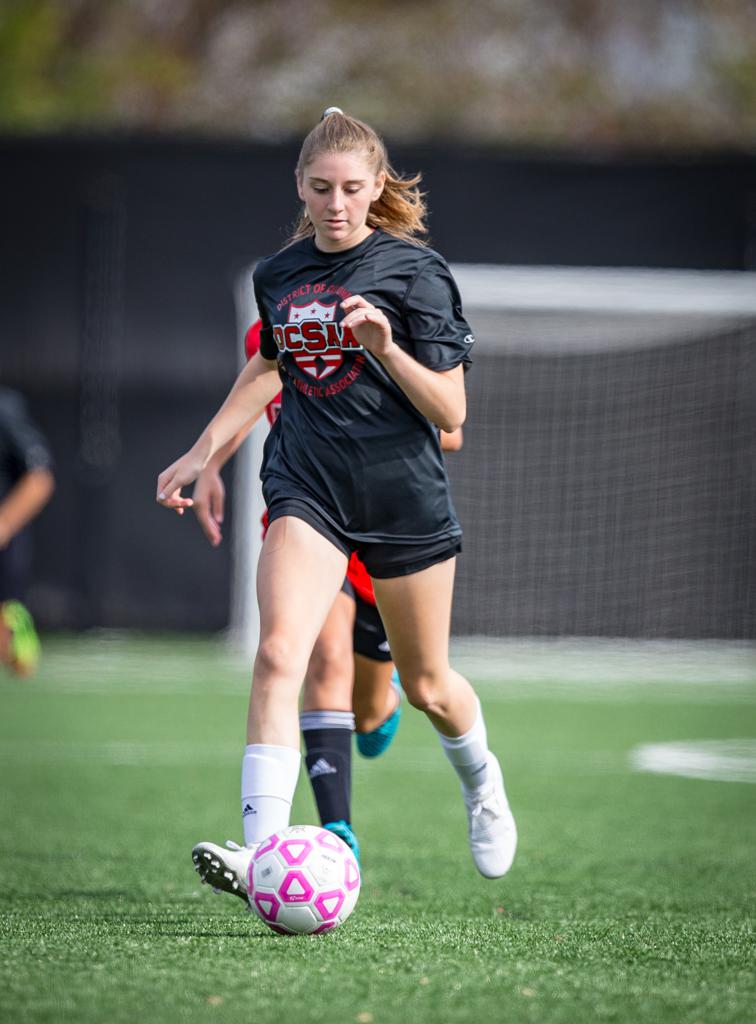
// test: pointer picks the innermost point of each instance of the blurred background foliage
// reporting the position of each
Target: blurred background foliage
(661, 73)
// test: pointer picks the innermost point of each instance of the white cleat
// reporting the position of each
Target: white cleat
(224, 870)
(491, 827)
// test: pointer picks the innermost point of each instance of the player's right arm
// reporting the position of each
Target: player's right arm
(209, 495)
(257, 384)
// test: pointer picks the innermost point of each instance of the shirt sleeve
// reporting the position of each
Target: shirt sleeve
(268, 349)
(434, 320)
(24, 442)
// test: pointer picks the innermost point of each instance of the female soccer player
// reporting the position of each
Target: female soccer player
(26, 485)
(364, 325)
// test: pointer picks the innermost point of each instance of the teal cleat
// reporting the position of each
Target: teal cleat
(344, 831)
(375, 743)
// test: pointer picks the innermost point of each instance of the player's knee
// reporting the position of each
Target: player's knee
(330, 658)
(277, 657)
(426, 690)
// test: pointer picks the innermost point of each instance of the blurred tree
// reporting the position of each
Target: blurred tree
(82, 64)
(564, 72)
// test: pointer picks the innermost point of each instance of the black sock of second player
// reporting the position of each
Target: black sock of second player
(328, 743)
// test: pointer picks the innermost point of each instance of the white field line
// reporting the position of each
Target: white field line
(716, 760)
(614, 670)
(170, 754)
(538, 762)
(506, 670)
(721, 760)
(118, 753)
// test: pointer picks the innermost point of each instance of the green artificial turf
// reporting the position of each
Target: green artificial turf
(631, 898)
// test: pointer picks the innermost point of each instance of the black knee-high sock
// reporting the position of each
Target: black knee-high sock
(328, 742)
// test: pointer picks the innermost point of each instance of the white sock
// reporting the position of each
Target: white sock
(268, 780)
(468, 753)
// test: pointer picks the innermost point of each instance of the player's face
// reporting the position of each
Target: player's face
(337, 189)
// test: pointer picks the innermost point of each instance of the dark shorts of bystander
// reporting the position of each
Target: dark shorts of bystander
(15, 567)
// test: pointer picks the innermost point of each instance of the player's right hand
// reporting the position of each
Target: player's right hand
(209, 498)
(182, 472)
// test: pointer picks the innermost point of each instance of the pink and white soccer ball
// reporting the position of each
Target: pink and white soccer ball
(303, 880)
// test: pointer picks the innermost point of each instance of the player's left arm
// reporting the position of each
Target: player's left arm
(452, 442)
(437, 394)
(24, 502)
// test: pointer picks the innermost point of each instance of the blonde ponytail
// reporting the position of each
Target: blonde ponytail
(400, 209)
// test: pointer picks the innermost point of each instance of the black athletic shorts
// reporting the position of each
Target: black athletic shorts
(15, 567)
(369, 638)
(382, 560)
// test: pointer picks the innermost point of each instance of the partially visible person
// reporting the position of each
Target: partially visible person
(26, 486)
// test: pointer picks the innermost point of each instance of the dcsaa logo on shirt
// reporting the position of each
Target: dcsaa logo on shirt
(314, 339)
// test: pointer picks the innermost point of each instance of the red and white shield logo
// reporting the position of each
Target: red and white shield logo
(325, 363)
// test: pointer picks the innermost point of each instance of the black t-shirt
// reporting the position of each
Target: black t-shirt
(22, 446)
(348, 441)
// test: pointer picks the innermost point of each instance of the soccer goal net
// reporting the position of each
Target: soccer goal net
(607, 483)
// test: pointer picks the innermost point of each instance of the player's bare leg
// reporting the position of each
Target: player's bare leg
(330, 670)
(416, 611)
(375, 699)
(5, 643)
(299, 575)
(377, 704)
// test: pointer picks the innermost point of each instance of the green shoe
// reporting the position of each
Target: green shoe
(23, 650)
